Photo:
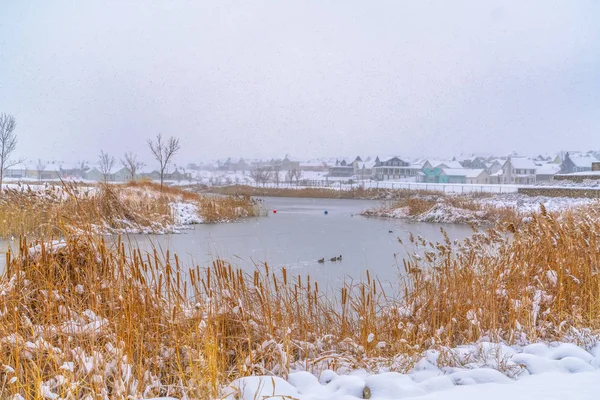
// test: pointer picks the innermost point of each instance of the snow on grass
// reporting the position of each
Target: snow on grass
(448, 214)
(480, 370)
(527, 204)
(186, 213)
(466, 209)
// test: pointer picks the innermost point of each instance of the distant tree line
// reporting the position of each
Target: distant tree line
(163, 151)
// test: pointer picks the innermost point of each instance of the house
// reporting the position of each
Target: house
(74, 170)
(474, 163)
(287, 165)
(17, 171)
(577, 163)
(452, 175)
(496, 177)
(493, 166)
(546, 172)
(518, 170)
(148, 172)
(313, 165)
(177, 174)
(429, 175)
(393, 168)
(341, 170)
(364, 170)
(122, 175)
(477, 176)
(43, 171)
(94, 174)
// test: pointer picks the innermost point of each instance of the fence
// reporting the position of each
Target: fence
(441, 187)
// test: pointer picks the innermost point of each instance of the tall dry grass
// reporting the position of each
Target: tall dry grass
(85, 318)
(135, 207)
(539, 281)
(415, 204)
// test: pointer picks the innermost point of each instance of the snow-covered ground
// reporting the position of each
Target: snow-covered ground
(527, 204)
(443, 212)
(485, 370)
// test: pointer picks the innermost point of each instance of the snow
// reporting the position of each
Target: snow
(454, 171)
(547, 169)
(444, 213)
(522, 163)
(582, 161)
(185, 213)
(445, 164)
(584, 173)
(473, 173)
(532, 204)
(540, 370)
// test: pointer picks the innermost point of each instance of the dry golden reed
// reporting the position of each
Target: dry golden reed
(133, 207)
(85, 317)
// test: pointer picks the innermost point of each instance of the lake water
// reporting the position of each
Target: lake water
(298, 235)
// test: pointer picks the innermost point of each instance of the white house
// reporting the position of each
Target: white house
(546, 171)
(477, 176)
(394, 168)
(519, 171)
(364, 170)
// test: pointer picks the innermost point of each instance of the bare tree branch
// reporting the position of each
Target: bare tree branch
(276, 178)
(260, 175)
(293, 175)
(8, 143)
(106, 164)
(131, 163)
(40, 167)
(163, 153)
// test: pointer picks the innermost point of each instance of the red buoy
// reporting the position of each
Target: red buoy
(274, 211)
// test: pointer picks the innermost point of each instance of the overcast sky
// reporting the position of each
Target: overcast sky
(309, 78)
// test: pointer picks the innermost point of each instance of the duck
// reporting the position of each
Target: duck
(321, 260)
(391, 231)
(339, 258)
(334, 259)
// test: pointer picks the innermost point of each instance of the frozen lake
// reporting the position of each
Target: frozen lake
(299, 234)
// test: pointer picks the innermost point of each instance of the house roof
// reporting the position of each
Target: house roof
(583, 161)
(389, 158)
(449, 164)
(366, 164)
(312, 163)
(547, 169)
(522, 163)
(473, 173)
(455, 171)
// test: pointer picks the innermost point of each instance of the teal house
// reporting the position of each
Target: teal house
(430, 175)
(443, 175)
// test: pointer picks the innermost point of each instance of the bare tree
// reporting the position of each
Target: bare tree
(276, 178)
(40, 167)
(8, 143)
(297, 175)
(293, 175)
(289, 176)
(163, 152)
(260, 175)
(106, 164)
(131, 163)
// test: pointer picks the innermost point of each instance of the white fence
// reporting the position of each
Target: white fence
(441, 187)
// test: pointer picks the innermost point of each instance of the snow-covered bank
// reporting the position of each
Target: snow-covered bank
(113, 209)
(527, 204)
(464, 209)
(471, 371)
